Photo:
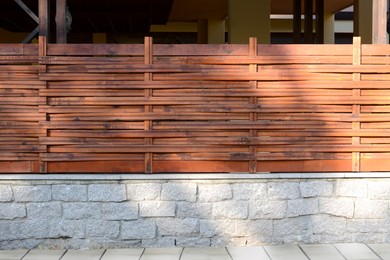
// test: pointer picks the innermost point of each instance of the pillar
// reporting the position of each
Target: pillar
(297, 20)
(309, 35)
(216, 31)
(99, 38)
(61, 21)
(320, 21)
(44, 21)
(202, 31)
(249, 18)
(379, 20)
(329, 28)
(362, 21)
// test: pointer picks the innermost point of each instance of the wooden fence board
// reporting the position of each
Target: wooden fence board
(82, 108)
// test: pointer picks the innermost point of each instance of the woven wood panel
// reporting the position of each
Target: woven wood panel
(194, 108)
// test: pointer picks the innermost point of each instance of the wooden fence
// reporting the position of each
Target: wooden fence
(138, 108)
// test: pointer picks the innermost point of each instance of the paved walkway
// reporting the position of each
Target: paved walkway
(283, 252)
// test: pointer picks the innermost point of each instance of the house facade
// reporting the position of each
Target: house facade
(107, 142)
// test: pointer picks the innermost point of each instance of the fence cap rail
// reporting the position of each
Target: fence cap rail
(183, 176)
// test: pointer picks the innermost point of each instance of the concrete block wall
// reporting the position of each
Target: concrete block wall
(193, 213)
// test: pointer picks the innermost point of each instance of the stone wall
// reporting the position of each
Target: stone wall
(194, 212)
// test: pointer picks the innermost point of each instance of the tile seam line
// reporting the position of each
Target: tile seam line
(228, 252)
(104, 252)
(339, 252)
(367, 245)
(28, 251)
(303, 251)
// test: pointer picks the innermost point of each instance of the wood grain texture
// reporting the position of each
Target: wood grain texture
(151, 108)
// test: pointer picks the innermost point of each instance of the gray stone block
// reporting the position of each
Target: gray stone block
(47, 210)
(107, 192)
(143, 191)
(352, 188)
(246, 228)
(38, 193)
(316, 189)
(157, 209)
(214, 192)
(221, 228)
(193, 210)
(283, 190)
(120, 211)
(228, 241)
(249, 191)
(17, 244)
(82, 210)
(369, 239)
(193, 242)
(379, 189)
(102, 228)
(342, 207)
(24, 229)
(179, 191)
(302, 207)
(323, 224)
(5, 193)
(139, 229)
(163, 242)
(292, 226)
(367, 226)
(371, 209)
(12, 211)
(70, 193)
(273, 209)
(69, 229)
(178, 227)
(230, 210)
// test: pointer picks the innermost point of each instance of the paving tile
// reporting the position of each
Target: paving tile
(248, 253)
(123, 254)
(39, 254)
(383, 250)
(162, 253)
(208, 253)
(355, 251)
(12, 254)
(285, 252)
(83, 255)
(322, 252)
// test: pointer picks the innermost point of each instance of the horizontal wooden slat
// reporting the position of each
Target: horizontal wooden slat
(95, 49)
(193, 108)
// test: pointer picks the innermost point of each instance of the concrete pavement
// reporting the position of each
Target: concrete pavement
(352, 251)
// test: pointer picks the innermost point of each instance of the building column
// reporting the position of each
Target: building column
(99, 38)
(216, 31)
(362, 21)
(297, 21)
(44, 21)
(309, 35)
(320, 21)
(379, 21)
(61, 21)
(249, 18)
(202, 31)
(329, 28)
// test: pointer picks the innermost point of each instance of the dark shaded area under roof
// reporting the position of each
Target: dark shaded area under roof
(133, 16)
(92, 16)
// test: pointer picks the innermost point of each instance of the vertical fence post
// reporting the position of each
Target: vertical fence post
(42, 51)
(253, 101)
(148, 125)
(356, 93)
